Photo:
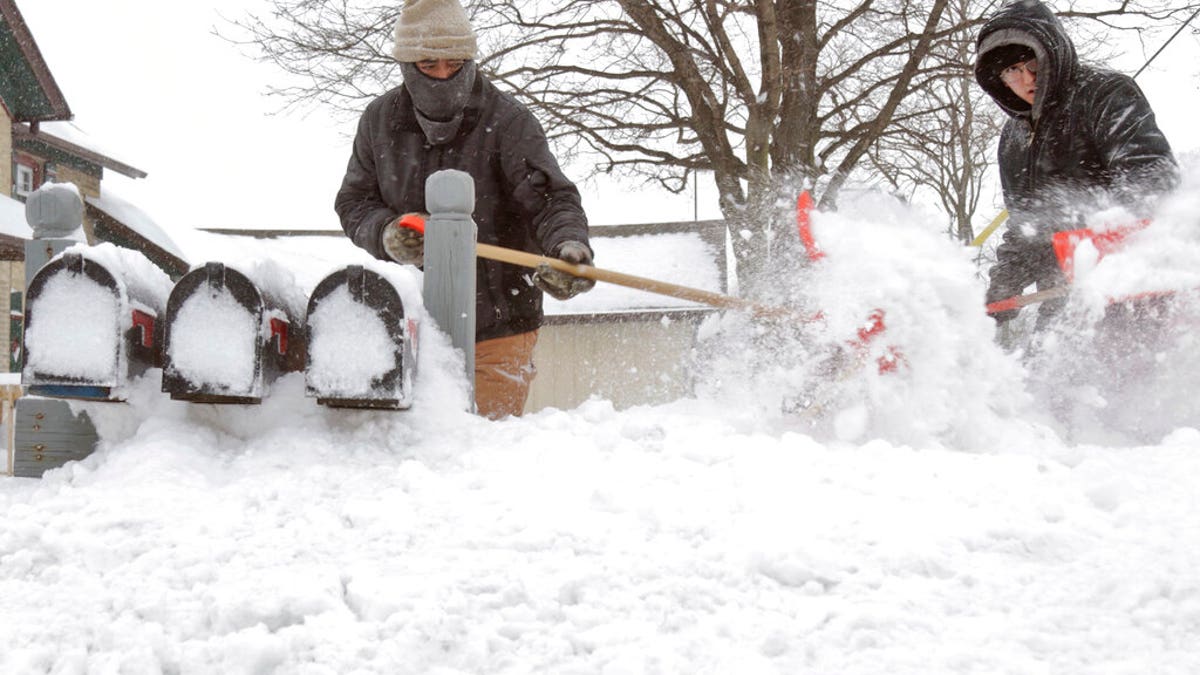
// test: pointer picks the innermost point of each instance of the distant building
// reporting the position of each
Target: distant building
(43, 146)
(628, 346)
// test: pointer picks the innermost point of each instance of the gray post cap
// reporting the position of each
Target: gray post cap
(450, 191)
(54, 210)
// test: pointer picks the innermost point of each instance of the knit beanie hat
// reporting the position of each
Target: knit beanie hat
(1003, 56)
(433, 29)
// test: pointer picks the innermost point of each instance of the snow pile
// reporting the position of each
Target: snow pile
(276, 283)
(143, 280)
(290, 539)
(298, 263)
(214, 342)
(77, 332)
(951, 385)
(1160, 257)
(1119, 363)
(932, 522)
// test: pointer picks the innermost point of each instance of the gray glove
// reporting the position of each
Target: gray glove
(561, 285)
(403, 244)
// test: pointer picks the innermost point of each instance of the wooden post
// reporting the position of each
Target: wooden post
(45, 432)
(9, 393)
(450, 236)
(48, 435)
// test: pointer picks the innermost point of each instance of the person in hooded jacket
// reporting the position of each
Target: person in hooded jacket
(447, 115)
(1079, 139)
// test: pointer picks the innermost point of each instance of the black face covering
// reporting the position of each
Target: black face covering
(439, 103)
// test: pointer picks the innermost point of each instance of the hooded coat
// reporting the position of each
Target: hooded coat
(1089, 141)
(522, 199)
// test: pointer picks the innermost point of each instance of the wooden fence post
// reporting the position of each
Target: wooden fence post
(450, 235)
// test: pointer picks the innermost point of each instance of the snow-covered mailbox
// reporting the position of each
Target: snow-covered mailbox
(90, 311)
(361, 345)
(226, 339)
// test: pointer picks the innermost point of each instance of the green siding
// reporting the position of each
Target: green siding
(18, 84)
(60, 157)
(16, 326)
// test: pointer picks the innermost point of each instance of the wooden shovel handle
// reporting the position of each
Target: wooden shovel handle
(524, 259)
(1019, 301)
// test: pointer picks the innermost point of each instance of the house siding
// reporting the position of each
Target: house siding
(6, 147)
(89, 186)
(12, 272)
(12, 278)
(640, 359)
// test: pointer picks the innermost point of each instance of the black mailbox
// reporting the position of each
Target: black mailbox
(361, 346)
(224, 340)
(87, 332)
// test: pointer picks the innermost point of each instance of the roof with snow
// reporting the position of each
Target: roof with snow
(124, 224)
(12, 218)
(14, 230)
(69, 138)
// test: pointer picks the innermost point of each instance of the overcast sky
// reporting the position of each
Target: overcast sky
(150, 83)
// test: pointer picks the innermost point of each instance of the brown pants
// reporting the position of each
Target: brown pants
(503, 372)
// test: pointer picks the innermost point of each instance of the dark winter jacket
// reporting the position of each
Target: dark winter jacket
(522, 198)
(1089, 142)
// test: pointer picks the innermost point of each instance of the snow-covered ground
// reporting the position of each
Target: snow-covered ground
(936, 520)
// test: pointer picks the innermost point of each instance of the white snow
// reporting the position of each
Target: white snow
(135, 219)
(76, 234)
(75, 331)
(12, 218)
(214, 343)
(299, 262)
(940, 520)
(350, 347)
(72, 133)
(144, 281)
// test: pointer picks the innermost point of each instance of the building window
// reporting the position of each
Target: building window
(23, 181)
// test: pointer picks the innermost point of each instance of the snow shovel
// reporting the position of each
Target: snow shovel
(524, 259)
(1064, 244)
(1019, 301)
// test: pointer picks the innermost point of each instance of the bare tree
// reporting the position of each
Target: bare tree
(767, 95)
(947, 153)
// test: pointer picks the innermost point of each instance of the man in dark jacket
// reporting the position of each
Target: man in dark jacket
(1079, 139)
(448, 116)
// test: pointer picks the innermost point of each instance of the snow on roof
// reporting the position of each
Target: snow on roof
(681, 258)
(136, 220)
(72, 134)
(12, 218)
